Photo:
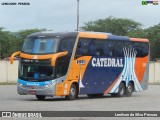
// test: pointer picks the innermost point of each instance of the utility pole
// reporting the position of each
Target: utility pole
(77, 15)
(0, 52)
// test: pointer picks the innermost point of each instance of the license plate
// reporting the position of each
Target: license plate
(32, 92)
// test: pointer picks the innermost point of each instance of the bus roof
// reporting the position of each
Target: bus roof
(53, 34)
(101, 35)
(87, 34)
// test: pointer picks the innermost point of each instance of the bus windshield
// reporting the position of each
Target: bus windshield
(36, 72)
(40, 45)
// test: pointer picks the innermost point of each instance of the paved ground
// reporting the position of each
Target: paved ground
(148, 100)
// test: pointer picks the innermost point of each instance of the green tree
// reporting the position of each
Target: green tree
(11, 42)
(22, 34)
(153, 34)
(141, 33)
(7, 43)
(117, 26)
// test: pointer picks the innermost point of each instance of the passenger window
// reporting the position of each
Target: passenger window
(96, 48)
(83, 47)
(118, 48)
(145, 50)
(67, 44)
(141, 48)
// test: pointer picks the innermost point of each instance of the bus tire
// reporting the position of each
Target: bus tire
(40, 97)
(121, 90)
(100, 95)
(90, 95)
(113, 94)
(73, 93)
(129, 89)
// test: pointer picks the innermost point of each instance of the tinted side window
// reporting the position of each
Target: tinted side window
(108, 48)
(96, 48)
(62, 64)
(145, 49)
(118, 48)
(115, 48)
(141, 48)
(127, 46)
(83, 47)
(67, 44)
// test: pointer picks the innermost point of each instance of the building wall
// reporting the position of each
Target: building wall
(9, 72)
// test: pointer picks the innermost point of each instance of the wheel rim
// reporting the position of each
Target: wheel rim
(121, 90)
(129, 88)
(72, 92)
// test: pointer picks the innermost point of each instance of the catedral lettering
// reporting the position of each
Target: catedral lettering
(73, 63)
(107, 62)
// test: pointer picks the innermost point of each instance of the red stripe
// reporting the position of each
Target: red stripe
(107, 91)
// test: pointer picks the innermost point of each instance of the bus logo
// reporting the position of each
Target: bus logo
(35, 57)
(107, 62)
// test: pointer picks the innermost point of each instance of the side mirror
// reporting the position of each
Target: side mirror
(13, 55)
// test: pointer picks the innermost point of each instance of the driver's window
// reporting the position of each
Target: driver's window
(67, 44)
(61, 66)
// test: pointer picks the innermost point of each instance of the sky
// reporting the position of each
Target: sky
(61, 15)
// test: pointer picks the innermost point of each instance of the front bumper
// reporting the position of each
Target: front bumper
(35, 88)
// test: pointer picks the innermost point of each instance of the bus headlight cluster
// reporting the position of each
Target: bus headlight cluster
(48, 85)
(54, 82)
(20, 84)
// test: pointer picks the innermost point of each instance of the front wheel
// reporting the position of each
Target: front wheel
(73, 93)
(129, 90)
(40, 97)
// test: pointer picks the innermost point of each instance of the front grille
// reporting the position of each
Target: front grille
(33, 87)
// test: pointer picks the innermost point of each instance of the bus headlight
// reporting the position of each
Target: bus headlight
(54, 82)
(51, 85)
(20, 84)
(48, 85)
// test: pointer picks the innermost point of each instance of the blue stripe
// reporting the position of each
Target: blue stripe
(26, 83)
(36, 46)
(116, 89)
(115, 37)
(49, 45)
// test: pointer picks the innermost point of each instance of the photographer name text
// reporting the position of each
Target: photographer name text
(15, 3)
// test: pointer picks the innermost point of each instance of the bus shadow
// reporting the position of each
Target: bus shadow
(80, 98)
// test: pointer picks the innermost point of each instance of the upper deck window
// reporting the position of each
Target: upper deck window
(40, 45)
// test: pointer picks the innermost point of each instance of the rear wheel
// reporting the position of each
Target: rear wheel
(113, 94)
(129, 90)
(121, 90)
(73, 93)
(100, 95)
(40, 97)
